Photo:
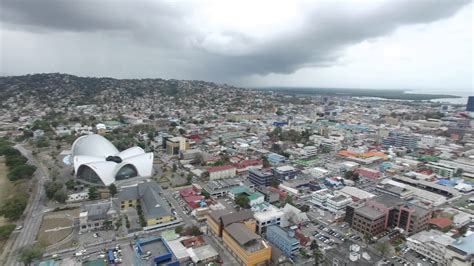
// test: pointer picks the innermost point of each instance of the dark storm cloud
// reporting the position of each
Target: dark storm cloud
(325, 31)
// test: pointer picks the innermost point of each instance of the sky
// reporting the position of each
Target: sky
(391, 44)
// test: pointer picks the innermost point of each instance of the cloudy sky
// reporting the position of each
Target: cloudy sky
(407, 44)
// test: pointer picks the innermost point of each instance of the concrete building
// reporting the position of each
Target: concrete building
(396, 139)
(274, 158)
(285, 240)
(461, 252)
(221, 172)
(237, 231)
(260, 178)
(272, 216)
(94, 214)
(441, 169)
(388, 212)
(431, 244)
(285, 172)
(176, 145)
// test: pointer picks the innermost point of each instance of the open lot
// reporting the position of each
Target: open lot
(56, 226)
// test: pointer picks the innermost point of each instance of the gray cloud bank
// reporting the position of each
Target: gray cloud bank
(182, 43)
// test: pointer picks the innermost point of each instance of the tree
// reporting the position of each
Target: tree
(383, 248)
(21, 172)
(13, 207)
(317, 255)
(29, 254)
(112, 189)
(304, 208)
(70, 184)
(93, 193)
(279, 112)
(178, 230)
(6, 230)
(351, 175)
(60, 196)
(51, 188)
(289, 199)
(175, 167)
(242, 200)
(275, 182)
(205, 194)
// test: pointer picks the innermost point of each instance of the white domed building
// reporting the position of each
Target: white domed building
(97, 161)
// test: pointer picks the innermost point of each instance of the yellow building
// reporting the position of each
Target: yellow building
(176, 145)
(147, 197)
(238, 234)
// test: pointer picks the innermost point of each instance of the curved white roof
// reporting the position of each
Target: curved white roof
(92, 151)
(93, 145)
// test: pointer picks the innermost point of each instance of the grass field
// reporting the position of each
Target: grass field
(56, 226)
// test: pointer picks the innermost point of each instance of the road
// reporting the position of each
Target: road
(34, 211)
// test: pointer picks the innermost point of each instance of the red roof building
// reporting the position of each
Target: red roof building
(441, 222)
(368, 173)
(244, 166)
(219, 168)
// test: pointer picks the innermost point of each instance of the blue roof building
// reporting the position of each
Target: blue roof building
(284, 240)
(274, 158)
(157, 249)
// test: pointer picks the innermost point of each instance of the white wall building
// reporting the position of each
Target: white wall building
(272, 216)
(431, 244)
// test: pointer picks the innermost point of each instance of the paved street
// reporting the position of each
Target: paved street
(34, 211)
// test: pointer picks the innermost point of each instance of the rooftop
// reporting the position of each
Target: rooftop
(370, 213)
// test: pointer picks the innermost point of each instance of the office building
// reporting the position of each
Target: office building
(285, 240)
(396, 139)
(260, 177)
(285, 172)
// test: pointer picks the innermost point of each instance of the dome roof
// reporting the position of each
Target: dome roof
(93, 145)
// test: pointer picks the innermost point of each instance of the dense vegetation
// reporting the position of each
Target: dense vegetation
(17, 163)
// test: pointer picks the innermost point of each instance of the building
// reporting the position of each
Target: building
(274, 158)
(319, 172)
(461, 252)
(431, 244)
(270, 195)
(94, 215)
(237, 231)
(176, 145)
(396, 139)
(147, 195)
(470, 104)
(155, 248)
(96, 161)
(254, 197)
(271, 216)
(260, 178)
(388, 212)
(368, 173)
(368, 221)
(244, 166)
(441, 169)
(220, 188)
(285, 172)
(310, 151)
(284, 240)
(221, 172)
